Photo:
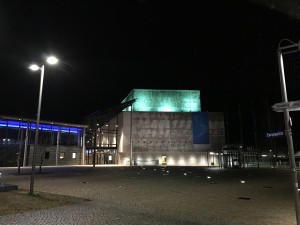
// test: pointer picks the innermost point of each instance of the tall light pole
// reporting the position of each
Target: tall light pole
(130, 138)
(293, 47)
(50, 60)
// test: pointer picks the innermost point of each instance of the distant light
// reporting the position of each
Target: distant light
(52, 60)
(208, 177)
(34, 67)
(242, 181)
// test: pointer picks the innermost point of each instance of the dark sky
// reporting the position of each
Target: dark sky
(225, 49)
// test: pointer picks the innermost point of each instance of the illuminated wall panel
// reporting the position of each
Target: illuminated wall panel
(149, 100)
(200, 128)
(184, 138)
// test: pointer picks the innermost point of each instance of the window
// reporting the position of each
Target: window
(62, 155)
(47, 155)
(164, 160)
(74, 155)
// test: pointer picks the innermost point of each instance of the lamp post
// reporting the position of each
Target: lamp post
(50, 60)
(293, 47)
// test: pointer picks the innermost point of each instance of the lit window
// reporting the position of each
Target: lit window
(62, 155)
(74, 155)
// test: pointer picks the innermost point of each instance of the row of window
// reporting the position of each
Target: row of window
(11, 136)
(61, 155)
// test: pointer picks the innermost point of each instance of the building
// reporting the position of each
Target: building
(149, 127)
(157, 127)
(58, 143)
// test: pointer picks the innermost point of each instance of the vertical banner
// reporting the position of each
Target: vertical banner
(200, 128)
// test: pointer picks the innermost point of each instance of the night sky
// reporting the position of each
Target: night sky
(225, 49)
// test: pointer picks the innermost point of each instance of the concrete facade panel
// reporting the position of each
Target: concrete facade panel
(154, 135)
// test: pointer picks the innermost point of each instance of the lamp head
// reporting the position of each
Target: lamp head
(52, 60)
(34, 67)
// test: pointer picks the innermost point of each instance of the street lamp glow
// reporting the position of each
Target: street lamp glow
(34, 67)
(50, 60)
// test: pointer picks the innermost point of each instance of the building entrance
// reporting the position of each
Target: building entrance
(103, 156)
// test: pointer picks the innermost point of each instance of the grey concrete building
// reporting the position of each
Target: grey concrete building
(159, 127)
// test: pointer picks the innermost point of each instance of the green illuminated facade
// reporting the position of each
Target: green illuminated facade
(151, 100)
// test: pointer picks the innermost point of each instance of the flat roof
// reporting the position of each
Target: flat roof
(4, 117)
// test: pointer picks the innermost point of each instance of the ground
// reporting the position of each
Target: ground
(19, 201)
(155, 195)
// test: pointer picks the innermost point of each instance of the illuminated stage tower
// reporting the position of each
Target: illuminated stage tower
(167, 127)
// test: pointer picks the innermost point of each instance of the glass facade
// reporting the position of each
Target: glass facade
(104, 142)
(10, 133)
(15, 134)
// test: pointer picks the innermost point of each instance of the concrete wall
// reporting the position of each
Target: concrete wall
(67, 160)
(158, 134)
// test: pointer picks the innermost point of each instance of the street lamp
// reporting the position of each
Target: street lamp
(50, 60)
(292, 47)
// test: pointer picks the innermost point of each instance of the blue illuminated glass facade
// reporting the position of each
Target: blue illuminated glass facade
(12, 129)
(17, 135)
(42, 127)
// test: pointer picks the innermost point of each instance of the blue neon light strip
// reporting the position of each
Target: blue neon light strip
(43, 127)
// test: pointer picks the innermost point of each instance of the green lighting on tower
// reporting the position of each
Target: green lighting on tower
(152, 100)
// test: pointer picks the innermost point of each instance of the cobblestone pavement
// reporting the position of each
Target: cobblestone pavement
(159, 196)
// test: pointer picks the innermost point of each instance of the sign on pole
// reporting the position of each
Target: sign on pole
(275, 134)
(291, 106)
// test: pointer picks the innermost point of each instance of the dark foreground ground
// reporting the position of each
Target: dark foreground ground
(159, 195)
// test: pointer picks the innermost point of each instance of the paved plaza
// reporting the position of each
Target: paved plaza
(159, 196)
